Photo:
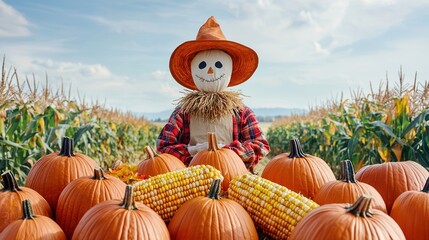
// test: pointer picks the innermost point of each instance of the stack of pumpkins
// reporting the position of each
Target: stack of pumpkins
(67, 196)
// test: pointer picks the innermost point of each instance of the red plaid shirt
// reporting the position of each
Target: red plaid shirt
(248, 140)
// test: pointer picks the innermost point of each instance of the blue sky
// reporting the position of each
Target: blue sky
(309, 51)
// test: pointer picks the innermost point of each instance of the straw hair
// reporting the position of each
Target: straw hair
(210, 36)
(210, 105)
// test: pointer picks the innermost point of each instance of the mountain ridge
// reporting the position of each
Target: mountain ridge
(262, 113)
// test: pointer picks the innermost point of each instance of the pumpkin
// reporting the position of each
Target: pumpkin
(391, 179)
(298, 172)
(34, 227)
(158, 163)
(125, 220)
(83, 193)
(225, 160)
(411, 211)
(11, 197)
(348, 190)
(51, 173)
(345, 221)
(212, 217)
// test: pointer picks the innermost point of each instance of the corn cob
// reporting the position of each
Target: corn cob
(275, 209)
(165, 193)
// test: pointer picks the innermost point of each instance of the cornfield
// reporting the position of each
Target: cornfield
(388, 124)
(34, 119)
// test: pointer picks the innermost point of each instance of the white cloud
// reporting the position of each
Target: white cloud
(12, 23)
(285, 31)
(78, 69)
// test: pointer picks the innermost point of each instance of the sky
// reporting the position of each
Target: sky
(310, 51)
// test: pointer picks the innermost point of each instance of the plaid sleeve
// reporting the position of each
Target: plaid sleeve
(173, 137)
(249, 142)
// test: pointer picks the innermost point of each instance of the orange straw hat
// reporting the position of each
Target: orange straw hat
(210, 36)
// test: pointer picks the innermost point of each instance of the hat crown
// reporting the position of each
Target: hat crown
(210, 30)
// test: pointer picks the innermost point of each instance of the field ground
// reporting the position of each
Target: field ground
(264, 126)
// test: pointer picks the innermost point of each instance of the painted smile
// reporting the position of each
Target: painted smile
(210, 80)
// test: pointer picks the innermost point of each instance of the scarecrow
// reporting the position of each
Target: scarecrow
(207, 66)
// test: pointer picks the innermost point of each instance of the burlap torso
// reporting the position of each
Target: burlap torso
(200, 127)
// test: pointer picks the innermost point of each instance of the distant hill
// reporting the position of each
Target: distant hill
(263, 114)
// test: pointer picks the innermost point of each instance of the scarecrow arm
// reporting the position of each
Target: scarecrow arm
(250, 144)
(174, 137)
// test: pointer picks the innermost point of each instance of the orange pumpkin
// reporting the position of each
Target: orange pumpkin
(348, 190)
(344, 221)
(125, 220)
(299, 172)
(53, 172)
(34, 227)
(411, 211)
(158, 163)
(391, 179)
(11, 197)
(223, 159)
(83, 193)
(212, 217)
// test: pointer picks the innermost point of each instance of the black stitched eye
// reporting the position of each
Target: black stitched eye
(218, 64)
(202, 65)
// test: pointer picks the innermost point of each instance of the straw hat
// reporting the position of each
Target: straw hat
(210, 36)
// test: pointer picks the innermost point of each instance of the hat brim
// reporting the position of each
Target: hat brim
(244, 60)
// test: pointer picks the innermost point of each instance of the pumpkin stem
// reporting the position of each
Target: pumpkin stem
(347, 171)
(129, 202)
(214, 189)
(27, 210)
(361, 206)
(9, 182)
(212, 141)
(150, 152)
(98, 174)
(426, 187)
(295, 149)
(67, 147)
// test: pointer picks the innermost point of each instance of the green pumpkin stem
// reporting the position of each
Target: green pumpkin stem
(9, 181)
(129, 203)
(67, 147)
(214, 189)
(347, 172)
(426, 187)
(361, 207)
(27, 210)
(295, 149)
(150, 152)
(98, 174)
(212, 141)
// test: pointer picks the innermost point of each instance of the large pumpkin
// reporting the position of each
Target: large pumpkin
(34, 227)
(51, 173)
(213, 218)
(156, 164)
(223, 159)
(411, 211)
(344, 221)
(11, 197)
(298, 172)
(125, 220)
(348, 190)
(391, 179)
(83, 193)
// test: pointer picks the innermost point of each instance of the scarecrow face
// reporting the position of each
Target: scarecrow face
(211, 70)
